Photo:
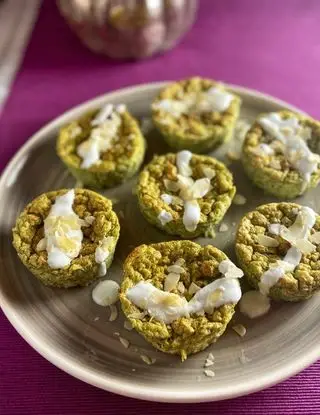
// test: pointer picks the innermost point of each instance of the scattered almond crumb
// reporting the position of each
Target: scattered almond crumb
(127, 325)
(133, 370)
(239, 199)
(125, 343)
(209, 373)
(223, 228)
(239, 329)
(116, 333)
(232, 155)
(113, 313)
(208, 363)
(243, 358)
(96, 318)
(146, 359)
(210, 356)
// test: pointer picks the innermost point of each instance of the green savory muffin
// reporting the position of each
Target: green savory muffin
(277, 246)
(179, 295)
(279, 153)
(67, 237)
(102, 149)
(185, 194)
(195, 114)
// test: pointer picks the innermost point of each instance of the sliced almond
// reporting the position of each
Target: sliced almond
(193, 288)
(113, 313)
(127, 325)
(239, 199)
(223, 228)
(125, 343)
(181, 287)
(171, 185)
(208, 172)
(305, 246)
(171, 281)
(315, 238)
(180, 261)
(267, 241)
(177, 269)
(239, 329)
(209, 373)
(146, 359)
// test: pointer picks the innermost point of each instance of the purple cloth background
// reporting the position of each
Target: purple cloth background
(273, 46)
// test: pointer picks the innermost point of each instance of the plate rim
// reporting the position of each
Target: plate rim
(126, 388)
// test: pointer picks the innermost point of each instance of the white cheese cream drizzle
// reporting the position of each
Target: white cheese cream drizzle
(215, 99)
(102, 136)
(190, 191)
(167, 307)
(295, 148)
(62, 232)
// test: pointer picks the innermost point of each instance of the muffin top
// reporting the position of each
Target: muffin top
(185, 188)
(194, 108)
(62, 229)
(285, 143)
(100, 140)
(280, 241)
(166, 282)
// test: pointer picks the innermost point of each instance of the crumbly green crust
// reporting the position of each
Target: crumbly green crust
(286, 183)
(213, 206)
(118, 164)
(83, 270)
(195, 132)
(186, 335)
(255, 259)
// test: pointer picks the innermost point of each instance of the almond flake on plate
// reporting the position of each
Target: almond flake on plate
(125, 343)
(267, 241)
(239, 329)
(127, 325)
(209, 373)
(146, 359)
(113, 313)
(208, 363)
(239, 199)
(243, 358)
(223, 228)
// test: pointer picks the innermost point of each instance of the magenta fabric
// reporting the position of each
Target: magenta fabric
(270, 45)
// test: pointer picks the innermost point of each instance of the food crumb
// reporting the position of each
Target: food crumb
(96, 318)
(127, 325)
(146, 359)
(113, 313)
(243, 358)
(239, 199)
(239, 329)
(209, 373)
(125, 343)
(208, 363)
(223, 228)
(232, 155)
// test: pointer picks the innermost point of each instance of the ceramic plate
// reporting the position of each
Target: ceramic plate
(75, 334)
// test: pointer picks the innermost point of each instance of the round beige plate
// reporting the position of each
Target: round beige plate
(75, 334)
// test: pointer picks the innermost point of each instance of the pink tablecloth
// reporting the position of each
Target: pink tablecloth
(273, 46)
